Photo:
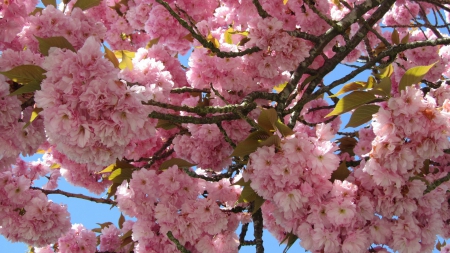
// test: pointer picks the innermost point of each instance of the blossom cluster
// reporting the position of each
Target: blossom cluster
(89, 115)
(26, 215)
(169, 201)
(382, 201)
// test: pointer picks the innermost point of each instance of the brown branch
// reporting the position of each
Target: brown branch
(198, 110)
(189, 89)
(75, 195)
(436, 183)
(244, 230)
(260, 9)
(311, 5)
(180, 247)
(225, 135)
(303, 35)
(258, 230)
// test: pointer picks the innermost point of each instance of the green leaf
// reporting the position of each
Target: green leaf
(245, 147)
(278, 88)
(108, 169)
(242, 182)
(112, 190)
(350, 87)
(244, 33)
(243, 41)
(34, 115)
(96, 230)
(152, 42)
(347, 144)
(55, 166)
(272, 140)
(405, 39)
(213, 40)
(27, 88)
(439, 245)
(250, 144)
(60, 42)
(126, 238)
(165, 124)
(257, 203)
(175, 161)
(49, 2)
(227, 35)
(249, 195)
(284, 130)
(414, 75)
(395, 37)
(426, 167)
(341, 173)
(120, 53)
(126, 62)
(362, 115)
(351, 101)
(119, 175)
(35, 11)
(111, 57)
(86, 4)
(386, 72)
(291, 238)
(370, 82)
(105, 224)
(267, 119)
(121, 220)
(126, 241)
(384, 86)
(24, 74)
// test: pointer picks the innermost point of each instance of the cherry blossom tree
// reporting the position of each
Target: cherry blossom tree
(248, 132)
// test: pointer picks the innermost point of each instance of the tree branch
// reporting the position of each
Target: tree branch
(303, 35)
(75, 195)
(260, 9)
(244, 230)
(436, 183)
(225, 135)
(180, 247)
(189, 89)
(258, 230)
(198, 110)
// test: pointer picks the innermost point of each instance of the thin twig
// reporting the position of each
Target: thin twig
(260, 9)
(75, 195)
(189, 89)
(180, 247)
(244, 230)
(436, 183)
(225, 135)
